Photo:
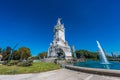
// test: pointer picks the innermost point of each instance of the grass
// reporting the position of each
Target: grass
(35, 68)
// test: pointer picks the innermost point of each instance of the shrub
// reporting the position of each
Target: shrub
(4, 63)
(25, 63)
(10, 63)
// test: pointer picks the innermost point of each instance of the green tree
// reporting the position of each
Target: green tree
(87, 54)
(42, 55)
(24, 53)
(118, 56)
(0, 50)
(16, 55)
(6, 53)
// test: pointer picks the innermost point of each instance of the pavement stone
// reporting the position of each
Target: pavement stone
(61, 74)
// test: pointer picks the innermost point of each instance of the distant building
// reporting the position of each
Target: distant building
(59, 48)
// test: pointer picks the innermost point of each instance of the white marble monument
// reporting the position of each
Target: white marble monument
(59, 48)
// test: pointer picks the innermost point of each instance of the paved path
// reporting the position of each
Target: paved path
(61, 74)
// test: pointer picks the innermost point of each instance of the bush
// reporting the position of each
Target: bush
(10, 63)
(5, 63)
(25, 63)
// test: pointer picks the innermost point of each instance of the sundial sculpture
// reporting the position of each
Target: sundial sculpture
(59, 48)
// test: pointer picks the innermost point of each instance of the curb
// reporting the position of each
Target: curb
(115, 73)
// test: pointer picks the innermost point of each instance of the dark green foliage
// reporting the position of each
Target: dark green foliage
(10, 54)
(42, 55)
(109, 57)
(11, 63)
(35, 58)
(6, 53)
(118, 56)
(5, 63)
(24, 53)
(0, 50)
(87, 54)
(18, 63)
(16, 55)
(25, 63)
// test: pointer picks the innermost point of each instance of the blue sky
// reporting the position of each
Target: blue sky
(30, 23)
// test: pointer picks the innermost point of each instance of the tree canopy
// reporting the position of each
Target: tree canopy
(21, 53)
(42, 55)
(87, 54)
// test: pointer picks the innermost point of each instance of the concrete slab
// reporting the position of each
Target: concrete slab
(61, 74)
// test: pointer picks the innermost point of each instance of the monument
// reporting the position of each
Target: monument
(59, 48)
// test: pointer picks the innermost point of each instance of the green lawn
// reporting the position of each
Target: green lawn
(35, 68)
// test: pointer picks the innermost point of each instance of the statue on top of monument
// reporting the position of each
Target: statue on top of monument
(59, 21)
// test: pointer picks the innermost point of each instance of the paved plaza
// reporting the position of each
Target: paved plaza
(61, 74)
